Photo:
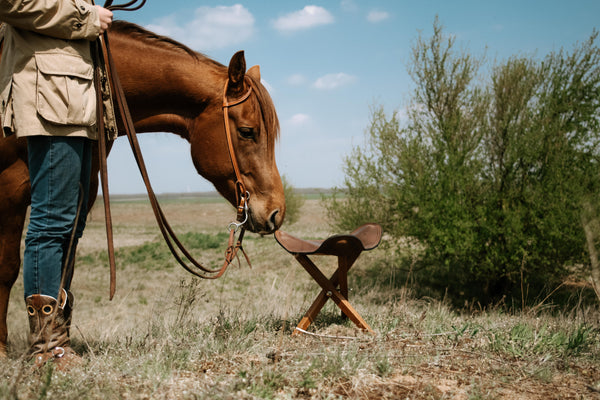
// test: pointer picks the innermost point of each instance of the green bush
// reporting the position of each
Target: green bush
(490, 175)
(293, 202)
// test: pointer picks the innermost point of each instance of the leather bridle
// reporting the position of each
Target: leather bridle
(108, 4)
(242, 195)
(104, 59)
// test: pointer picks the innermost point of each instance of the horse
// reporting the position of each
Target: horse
(169, 88)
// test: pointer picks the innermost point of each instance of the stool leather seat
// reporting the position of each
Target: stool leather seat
(347, 248)
(365, 237)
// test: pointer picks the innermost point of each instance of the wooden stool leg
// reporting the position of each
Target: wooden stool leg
(318, 304)
(344, 264)
(330, 291)
(313, 311)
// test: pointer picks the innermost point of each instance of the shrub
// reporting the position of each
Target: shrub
(490, 175)
(293, 202)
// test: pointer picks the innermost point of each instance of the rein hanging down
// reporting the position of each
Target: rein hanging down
(104, 58)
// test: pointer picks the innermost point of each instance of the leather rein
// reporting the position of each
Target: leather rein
(105, 59)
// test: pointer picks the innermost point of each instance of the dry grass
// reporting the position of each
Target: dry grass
(168, 336)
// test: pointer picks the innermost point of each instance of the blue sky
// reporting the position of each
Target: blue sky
(327, 63)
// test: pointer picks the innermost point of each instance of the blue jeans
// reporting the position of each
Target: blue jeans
(57, 167)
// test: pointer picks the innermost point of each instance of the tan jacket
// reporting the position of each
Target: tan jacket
(46, 71)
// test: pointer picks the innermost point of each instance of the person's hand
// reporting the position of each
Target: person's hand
(106, 17)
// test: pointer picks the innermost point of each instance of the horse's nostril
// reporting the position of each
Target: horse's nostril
(273, 220)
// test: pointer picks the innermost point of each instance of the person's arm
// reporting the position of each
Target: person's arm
(64, 19)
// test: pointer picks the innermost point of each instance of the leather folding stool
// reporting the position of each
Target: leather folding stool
(346, 248)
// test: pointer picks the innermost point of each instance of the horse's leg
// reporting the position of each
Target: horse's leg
(14, 199)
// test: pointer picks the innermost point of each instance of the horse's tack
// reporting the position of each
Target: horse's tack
(124, 7)
(105, 56)
(241, 193)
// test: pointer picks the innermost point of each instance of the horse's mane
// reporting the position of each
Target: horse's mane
(267, 107)
(135, 31)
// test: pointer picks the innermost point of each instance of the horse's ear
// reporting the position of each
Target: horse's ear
(237, 70)
(254, 72)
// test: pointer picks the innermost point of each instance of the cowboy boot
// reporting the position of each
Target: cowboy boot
(49, 328)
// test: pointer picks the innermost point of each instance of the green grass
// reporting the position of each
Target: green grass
(167, 335)
(524, 340)
(155, 255)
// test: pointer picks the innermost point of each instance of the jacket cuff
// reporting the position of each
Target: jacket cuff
(87, 25)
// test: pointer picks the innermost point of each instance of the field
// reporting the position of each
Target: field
(167, 335)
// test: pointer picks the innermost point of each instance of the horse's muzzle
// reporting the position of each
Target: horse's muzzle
(264, 226)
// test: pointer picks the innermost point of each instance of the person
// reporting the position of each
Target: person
(47, 96)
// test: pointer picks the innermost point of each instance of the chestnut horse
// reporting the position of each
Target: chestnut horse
(169, 88)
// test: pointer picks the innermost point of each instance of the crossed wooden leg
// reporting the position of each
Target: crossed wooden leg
(339, 277)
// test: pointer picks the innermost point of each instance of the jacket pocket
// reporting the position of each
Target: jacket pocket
(65, 89)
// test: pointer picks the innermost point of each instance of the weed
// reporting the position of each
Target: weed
(477, 393)
(308, 380)
(186, 297)
(383, 366)
(47, 380)
(266, 385)
(579, 340)
(544, 374)
(523, 340)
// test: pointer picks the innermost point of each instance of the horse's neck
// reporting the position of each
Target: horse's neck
(166, 90)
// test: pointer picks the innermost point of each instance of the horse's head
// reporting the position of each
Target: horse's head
(254, 128)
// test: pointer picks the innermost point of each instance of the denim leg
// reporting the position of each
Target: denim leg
(57, 166)
(86, 169)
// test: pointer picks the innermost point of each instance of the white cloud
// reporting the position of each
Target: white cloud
(375, 16)
(167, 26)
(349, 6)
(211, 27)
(297, 80)
(308, 17)
(299, 119)
(333, 81)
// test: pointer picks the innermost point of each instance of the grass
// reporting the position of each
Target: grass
(167, 335)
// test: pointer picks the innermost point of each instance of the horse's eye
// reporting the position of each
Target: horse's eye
(246, 133)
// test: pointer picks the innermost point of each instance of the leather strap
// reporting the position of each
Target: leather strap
(102, 154)
(241, 193)
(124, 7)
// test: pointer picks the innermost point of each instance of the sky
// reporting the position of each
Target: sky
(327, 64)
